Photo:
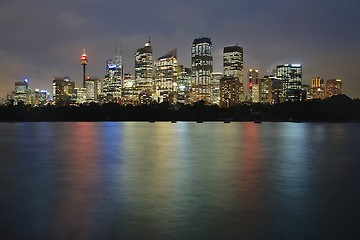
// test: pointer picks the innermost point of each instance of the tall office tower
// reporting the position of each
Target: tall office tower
(318, 88)
(271, 90)
(215, 87)
(333, 87)
(63, 90)
(202, 68)
(165, 77)
(22, 92)
(183, 84)
(229, 91)
(93, 89)
(129, 93)
(112, 83)
(254, 85)
(144, 68)
(233, 62)
(291, 77)
(84, 62)
(265, 89)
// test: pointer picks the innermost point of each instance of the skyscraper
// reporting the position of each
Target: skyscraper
(112, 83)
(254, 85)
(291, 77)
(215, 87)
(333, 87)
(165, 77)
(129, 93)
(202, 68)
(233, 66)
(144, 68)
(183, 84)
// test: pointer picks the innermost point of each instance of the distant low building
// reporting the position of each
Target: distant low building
(93, 89)
(22, 93)
(306, 92)
(40, 97)
(63, 90)
(333, 87)
(291, 78)
(271, 90)
(229, 92)
(79, 96)
(318, 88)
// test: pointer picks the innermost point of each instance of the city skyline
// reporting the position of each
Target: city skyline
(44, 40)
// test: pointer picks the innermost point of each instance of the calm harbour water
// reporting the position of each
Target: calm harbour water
(185, 180)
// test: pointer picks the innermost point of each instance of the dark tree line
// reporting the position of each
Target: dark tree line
(337, 108)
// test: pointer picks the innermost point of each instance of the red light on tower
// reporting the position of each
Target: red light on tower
(250, 86)
(84, 60)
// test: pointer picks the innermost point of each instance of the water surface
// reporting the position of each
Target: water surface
(139, 180)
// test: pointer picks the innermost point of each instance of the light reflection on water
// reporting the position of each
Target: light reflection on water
(178, 181)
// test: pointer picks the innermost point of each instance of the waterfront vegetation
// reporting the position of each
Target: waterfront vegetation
(337, 108)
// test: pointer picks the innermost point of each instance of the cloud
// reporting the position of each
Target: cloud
(45, 38)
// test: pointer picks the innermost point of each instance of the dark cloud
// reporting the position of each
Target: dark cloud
(43, 38)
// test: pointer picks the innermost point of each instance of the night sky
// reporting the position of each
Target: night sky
(41, 39)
